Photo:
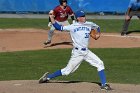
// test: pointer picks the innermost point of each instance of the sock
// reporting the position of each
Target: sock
(102, 77)
(55, 74)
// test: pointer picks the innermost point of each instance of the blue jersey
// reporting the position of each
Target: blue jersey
(134, 4)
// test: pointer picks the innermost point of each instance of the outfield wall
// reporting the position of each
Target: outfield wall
(89, 6)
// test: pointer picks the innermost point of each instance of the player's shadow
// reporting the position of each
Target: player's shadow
(133, 31)
(60, 43)
(72, 82)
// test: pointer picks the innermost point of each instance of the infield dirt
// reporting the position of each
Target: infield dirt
(33, 39)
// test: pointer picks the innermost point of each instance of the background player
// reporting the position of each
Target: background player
(61, 14)
(80, 33)
(133, 9)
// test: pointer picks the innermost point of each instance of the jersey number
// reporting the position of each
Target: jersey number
(87, 35)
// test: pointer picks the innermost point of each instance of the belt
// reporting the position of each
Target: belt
(83, 49)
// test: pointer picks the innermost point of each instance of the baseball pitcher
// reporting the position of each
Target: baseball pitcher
(80, 34)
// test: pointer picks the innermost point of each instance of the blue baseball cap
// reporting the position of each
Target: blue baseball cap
(79, 13)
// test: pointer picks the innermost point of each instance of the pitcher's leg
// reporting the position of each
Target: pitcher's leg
(94, 60)
(55, 74)
(72, 65)
(102, 77)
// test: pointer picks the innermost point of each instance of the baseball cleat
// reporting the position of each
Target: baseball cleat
(44, 78)
(106, 87)
(47, 42)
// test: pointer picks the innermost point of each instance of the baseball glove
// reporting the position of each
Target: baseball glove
(95, 34)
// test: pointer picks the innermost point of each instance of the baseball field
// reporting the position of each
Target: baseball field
(24, 58)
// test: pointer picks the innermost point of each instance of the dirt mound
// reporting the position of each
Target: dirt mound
(32, 86)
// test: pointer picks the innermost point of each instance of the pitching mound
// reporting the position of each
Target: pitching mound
(32, 86)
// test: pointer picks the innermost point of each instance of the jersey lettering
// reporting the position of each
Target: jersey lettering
(81, 28)
(62, 15)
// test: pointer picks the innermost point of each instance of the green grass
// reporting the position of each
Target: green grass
(115, 25)
(122, 65)
(107, 25)
(23, 23)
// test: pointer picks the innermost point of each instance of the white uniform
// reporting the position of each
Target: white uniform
(80, 34)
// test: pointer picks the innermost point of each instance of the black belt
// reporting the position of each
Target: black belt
(83, 49)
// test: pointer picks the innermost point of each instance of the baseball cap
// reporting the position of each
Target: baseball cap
(79, 13)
